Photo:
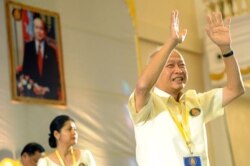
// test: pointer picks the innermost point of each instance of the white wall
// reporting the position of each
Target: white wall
(100, 72)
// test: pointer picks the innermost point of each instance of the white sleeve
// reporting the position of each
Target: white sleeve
(42, 162)
(87, 158)
(211, 102)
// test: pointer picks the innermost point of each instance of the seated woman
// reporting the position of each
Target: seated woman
(63, 136)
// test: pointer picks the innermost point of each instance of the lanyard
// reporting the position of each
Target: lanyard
(61, 160)
(182, 122)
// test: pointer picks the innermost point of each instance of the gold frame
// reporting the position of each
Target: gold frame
(17, 15)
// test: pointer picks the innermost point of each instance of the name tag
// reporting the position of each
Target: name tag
(194, 160)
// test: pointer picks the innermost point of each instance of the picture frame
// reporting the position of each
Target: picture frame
(35, 54)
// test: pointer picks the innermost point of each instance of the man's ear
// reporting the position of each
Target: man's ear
(24, 157)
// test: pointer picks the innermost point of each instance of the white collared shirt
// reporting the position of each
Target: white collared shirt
(158, 139)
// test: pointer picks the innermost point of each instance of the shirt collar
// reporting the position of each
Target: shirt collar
(161, 93)
(41, 44)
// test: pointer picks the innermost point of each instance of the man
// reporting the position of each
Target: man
(170, 124)
(31, 153)
(40, 65)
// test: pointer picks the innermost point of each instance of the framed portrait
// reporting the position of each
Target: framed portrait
(35, 53)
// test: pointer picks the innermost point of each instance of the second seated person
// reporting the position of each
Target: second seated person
(63, 136)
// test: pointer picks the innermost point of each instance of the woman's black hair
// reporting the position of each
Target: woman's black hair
(56, 125)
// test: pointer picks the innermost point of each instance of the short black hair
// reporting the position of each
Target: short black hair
(32, 148)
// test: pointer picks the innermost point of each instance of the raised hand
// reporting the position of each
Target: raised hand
(219, 31)
(176, 35)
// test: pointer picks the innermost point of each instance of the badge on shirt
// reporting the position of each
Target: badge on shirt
(192, 160)
(195, 112)
(81, 164)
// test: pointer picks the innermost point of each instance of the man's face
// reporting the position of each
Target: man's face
(174, 75)
(31, 160)
(39, 29)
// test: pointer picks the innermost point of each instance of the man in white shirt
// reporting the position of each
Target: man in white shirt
(170, 124)
(31, 153)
